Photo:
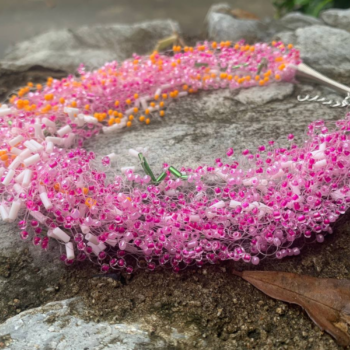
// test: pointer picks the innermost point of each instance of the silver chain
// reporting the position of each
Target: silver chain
(324, 101)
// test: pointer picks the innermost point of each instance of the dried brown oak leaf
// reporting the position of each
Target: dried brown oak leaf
(326, 300)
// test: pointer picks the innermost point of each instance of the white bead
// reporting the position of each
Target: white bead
(27, 177)
(30, 146)
(134, 153)
(4, 213)
(92, 238)
(61, 235)
(218, 205)
(54, 140)
(50, 124)
(18, 188)
(15, 207)
(39, 146)
(8, 177)
(46, 201)
(5, 111)
(25, 154)
(38, 216)
(234, 204)
(112, 156)
(15, 164)
(32, 160)
(16, 151)
(97, 248)
(16, 140)
(84, 229)
(70, 251)
(64, 130)
(49, 147)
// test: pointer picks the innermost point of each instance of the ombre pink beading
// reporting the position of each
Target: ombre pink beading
(56, 189)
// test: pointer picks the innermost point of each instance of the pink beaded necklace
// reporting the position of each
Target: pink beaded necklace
(54, 189)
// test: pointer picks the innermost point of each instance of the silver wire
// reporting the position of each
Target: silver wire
(332, 103)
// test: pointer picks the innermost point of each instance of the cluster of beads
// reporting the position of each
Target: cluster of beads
(243, 208)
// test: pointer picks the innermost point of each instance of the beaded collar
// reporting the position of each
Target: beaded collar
(244, 208)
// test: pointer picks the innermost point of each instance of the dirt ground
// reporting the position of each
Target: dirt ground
(214, 308)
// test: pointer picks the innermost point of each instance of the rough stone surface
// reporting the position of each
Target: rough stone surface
(324, 48)
(337, 18)
(205, 308)
(65, 49)
(295, 20)
(58, 326)
(259, 96)
(222, 26)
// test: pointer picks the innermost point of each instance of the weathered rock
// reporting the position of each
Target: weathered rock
(337, 18)
(59, 326)
(295, 20)
(222, 26)
(258, 96)
(65, 49)
(324, 48)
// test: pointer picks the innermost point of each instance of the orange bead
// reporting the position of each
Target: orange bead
(261, 82)
(74, 104)
(20, 104)
(87, 107)
(282, 66)
(136, 96)
(290, 46)
(162, 113)
(164, 96)
(48, 97)
(39, 86)
(85, 190)
(131, 117)
(117, 121)
(147, 111)
(214, 45)
(111, 121)
(152, 104)
(128, 101)
(62, 100)
(277, 77)
(116, 103)
(128, 124)
(142, 118)
(90, 202)
(148, 121)
(161, 104)
(4, 157)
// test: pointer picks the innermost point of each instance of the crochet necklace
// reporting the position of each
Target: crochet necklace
(259, 204)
